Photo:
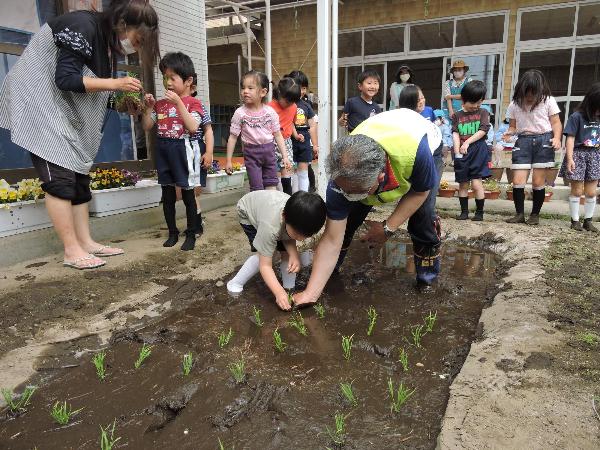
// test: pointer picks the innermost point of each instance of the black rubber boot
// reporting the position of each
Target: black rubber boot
(589, 226)
(576, 225)
(190, 241)
(464, 208)
(172, 240)
(517, 218)
(478, 217)
(534, 219)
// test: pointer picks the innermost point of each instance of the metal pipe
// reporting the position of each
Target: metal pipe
(249, 45)
(256, 11)
(268, 44)
(334, 69)
(323, 85)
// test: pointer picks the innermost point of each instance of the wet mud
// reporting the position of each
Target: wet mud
(288, 399)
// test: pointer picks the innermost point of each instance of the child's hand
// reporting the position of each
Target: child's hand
(149, 101)
(464, 147)
(343, 120)
(294, 264)
(172, 97)
(315, 151)
(570, 166)
(287, 164)
(283, 302)
(228, 167)
(556, 143)
(300, 138)
(207, 160)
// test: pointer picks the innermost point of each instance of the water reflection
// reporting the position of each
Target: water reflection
(461, 261)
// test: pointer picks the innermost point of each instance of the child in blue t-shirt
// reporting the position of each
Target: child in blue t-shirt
(360, 108)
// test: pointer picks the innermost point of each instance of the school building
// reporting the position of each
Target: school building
(498, 39)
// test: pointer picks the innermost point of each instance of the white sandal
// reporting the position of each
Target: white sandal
(101, 251)
(77, 263)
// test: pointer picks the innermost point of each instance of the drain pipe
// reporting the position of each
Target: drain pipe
(334, 69)
(268, 44)
(323, 85)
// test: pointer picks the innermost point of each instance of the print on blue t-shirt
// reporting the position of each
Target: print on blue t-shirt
(586, 133)
(423, 178)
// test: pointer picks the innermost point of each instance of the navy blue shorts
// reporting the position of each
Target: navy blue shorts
(302, 150)
(251, 233)
(474, 164)
(179, 162)
(533, 151)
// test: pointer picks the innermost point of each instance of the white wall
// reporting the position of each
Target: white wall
(181, 24)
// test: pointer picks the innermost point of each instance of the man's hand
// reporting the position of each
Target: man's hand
(283, 302)
(374, 232)
(302, 298)
(172, 97)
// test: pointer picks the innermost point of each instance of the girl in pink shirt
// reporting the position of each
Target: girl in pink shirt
(533, 116)
(258, 125)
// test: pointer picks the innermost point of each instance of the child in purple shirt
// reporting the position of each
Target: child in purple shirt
(258, 125)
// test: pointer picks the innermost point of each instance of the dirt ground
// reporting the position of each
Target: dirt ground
(528, 381)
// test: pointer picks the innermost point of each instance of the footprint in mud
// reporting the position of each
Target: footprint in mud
(168, 408)
(25, 277)
(36, 264)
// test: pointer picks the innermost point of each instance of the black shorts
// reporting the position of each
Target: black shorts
(62, 183)
(302, 150)
(178, 162)
(251, 233)
(474, 164)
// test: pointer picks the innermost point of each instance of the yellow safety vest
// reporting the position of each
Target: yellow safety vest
(399, 132)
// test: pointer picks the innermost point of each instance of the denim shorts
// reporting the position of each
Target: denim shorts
(533, 151)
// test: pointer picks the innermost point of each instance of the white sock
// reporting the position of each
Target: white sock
(247, 271)
(288, 279)
(574, 208)
(306, 258)
(295, 183)
(303, 180)
(589, 207)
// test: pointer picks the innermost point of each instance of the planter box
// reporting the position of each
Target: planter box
(509, 195)
(217, 182)
(548, 196)
(497, 173)
(447, 193)
(106, 202)
(470, 193)
(21, 217)
(492, 195)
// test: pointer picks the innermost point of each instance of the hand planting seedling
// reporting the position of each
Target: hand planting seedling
(62, 413)
(237, 370)
(348, 393)
(107, 436)
(18, 406)
(347, 346)
(98, 361)
(297, 321)
(278, 342)
(320, 309)
(257, 318)
(129, 102)
(188, 362)
(372, 314)
(224, 338)
(417, 335)
(403, 359)
(145, 352)
(338, 436)
(430, 321)
(398, 398)
(290, 298)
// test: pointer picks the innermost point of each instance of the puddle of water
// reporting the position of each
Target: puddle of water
(288, 398)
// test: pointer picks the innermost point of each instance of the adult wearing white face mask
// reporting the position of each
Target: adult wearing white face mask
(386, 159)
(404, 77)
(454, 86)
(54, 103)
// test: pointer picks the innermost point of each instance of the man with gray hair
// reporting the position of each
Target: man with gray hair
(387, 158)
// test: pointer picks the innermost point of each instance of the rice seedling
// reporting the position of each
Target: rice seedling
(372, 314)
(398, 397)
(297, 322)
(417, 335)
(348, 393)
(62, 413)
(338, 435)
(145, 352)
(98, 361)
(107, 436)
(320, 309)
(589, 338)
(347, 346)
(17, 406)
(222, 446)
(290, 298)
(188, 362)
(237, 370)
(257, 319)
(224, 338)
(403, 359)
(278, 342)
(430, 321)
